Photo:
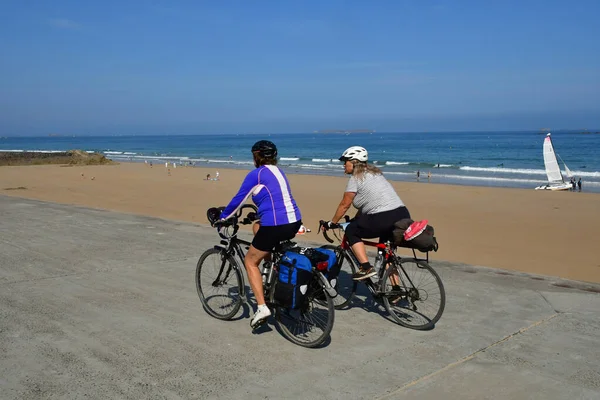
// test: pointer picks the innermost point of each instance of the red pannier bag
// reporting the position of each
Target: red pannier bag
(415, 235)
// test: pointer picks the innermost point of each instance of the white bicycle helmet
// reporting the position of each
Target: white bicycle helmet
(355, 153)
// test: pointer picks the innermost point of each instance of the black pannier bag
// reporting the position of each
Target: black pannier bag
(415, 235)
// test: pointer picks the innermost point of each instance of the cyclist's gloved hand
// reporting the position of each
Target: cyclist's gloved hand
(221, 227)
(328, 225)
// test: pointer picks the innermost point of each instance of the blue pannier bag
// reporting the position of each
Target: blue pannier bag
(295, 273)
(334, 266)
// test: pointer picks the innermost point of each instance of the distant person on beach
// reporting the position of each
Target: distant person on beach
(429, 176)
(279, 216)
(418, 174)
(438, 165)
(379, 207)
(579, 184)
(208, 177)
(217, 176)
(150, 164)
(573, 183)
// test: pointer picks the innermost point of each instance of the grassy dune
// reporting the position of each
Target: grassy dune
(71, 157)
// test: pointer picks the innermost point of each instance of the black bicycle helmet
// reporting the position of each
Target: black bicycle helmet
(265, 148)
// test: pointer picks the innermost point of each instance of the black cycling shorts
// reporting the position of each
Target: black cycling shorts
(378, 225)
(268, 237)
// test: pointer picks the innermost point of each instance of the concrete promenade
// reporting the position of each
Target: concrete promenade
(103, 305)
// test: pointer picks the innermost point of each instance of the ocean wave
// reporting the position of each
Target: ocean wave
(506, 170)
(525, 171)
(313, 166)
(232, 162)
(289, 158)
(33, 151)
(113, 152)
(321, 160)
(396, 163)
(157, 157)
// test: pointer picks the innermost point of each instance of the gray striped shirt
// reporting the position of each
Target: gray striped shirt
(374, 194)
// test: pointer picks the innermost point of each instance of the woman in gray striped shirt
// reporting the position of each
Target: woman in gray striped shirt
(379, 207)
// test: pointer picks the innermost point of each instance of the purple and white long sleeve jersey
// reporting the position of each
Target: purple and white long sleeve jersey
(271, 193)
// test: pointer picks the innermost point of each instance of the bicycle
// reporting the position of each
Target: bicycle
(396, 284)
(223, 291)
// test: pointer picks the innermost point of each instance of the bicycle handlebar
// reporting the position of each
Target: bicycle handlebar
(323, 224)
(213, 214)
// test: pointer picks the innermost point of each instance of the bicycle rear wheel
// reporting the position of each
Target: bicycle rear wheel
(419, 299)
(219, 284)
(310, 325)
(345, 286)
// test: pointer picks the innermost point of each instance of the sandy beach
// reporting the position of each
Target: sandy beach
(524, 230)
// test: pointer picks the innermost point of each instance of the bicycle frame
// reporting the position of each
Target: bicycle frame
(233, 248)
(389, 258)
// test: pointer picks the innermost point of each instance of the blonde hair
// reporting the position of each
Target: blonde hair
(360, 168)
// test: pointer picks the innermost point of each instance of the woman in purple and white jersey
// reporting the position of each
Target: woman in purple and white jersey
(279, 216)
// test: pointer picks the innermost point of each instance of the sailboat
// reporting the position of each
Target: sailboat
(555, 178)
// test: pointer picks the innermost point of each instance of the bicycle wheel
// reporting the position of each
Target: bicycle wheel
(419, 301)
(219, 284)
(345, 285)
(310, 325)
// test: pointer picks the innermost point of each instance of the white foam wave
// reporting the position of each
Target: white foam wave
(290, 158)
(129, 153)
(33, 151)
(395, 163)
(525, 171)
(156, 157)
(505, 170)
(595, 174)
(399, 173)
(313, 166)
(446, 165)
(321, 160)
(205, 160)
(113, 152)
(39, 151)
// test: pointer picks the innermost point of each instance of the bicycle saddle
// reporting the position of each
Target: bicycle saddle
(285, 245)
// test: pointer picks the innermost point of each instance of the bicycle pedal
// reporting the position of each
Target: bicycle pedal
(258, 324)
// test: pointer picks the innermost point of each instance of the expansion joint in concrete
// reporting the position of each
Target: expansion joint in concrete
(467, 358)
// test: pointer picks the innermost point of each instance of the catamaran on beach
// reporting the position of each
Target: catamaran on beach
(556, 180)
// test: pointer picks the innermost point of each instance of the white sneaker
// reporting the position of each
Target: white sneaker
(260, 316)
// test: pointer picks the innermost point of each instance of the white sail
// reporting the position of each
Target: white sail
(567, 170)
(552, 168)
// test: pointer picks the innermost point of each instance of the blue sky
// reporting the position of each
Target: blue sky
(105, 67)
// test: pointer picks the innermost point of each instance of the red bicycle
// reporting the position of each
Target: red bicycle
(409, 288)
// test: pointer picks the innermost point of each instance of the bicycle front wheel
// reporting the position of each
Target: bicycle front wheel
(345, 286)
(413, 293)
(219, 284)
(310, 325)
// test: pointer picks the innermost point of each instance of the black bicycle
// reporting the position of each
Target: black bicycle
(409, 288)
(222, 290)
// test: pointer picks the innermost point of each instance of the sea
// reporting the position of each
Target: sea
(506, 159)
